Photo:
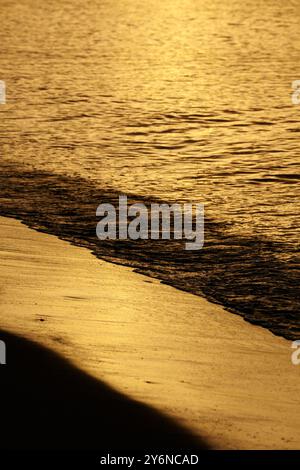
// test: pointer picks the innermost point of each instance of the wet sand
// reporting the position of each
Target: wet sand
(229, 382)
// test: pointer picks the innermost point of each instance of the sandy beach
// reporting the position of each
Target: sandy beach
(230, 383)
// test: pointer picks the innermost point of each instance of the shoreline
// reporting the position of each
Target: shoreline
(226, 380)
(247, 275)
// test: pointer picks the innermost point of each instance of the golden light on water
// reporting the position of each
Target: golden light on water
(176, 101)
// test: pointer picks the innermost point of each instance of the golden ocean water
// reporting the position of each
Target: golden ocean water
(184, 100)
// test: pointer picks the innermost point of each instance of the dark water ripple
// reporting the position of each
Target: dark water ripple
(185, 101)
(245, 274)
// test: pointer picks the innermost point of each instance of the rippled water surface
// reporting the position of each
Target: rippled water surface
(186, 100)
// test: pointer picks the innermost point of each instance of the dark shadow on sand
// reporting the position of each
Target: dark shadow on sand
(47, 403)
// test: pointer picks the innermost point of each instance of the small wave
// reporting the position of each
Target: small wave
(241, 273)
